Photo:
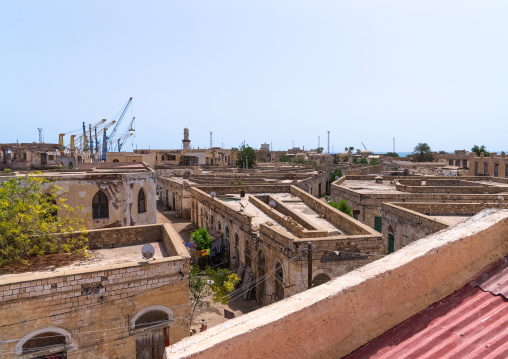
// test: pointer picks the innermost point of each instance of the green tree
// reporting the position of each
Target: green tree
(342, 206)
(319, 149)
(34, 220)
(422, 153)
(214, 287)
(391, 154)
(201, 238)
(284, 158)
(355, 160)
(442, 153)
(363, 160)
(245, 154)
(336, 173)
(373, 162)
(479, 150)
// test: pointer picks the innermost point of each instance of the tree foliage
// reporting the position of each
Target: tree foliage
(336, 173)
(392, 154)
(201, 238)
(34, 220)
(479, 150)
(363, 160)
(245, 155)
(373, 162)
(284, 158)
(212, 288)
(422, 153)
(342, 206)
(319, 149)
(442, 153)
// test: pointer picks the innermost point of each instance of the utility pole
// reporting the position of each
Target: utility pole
(394, 145)
(293, 143)
(309, 263)
(328, 142)
(211, 139)
(318, 142)
(40, 135)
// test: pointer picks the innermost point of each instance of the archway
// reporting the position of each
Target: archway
(320, 279)
(151, 328)
(261, 287)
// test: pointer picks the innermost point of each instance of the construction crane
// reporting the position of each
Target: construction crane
(126, 135)
(364, 147)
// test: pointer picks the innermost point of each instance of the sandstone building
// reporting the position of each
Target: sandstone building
(114, 305)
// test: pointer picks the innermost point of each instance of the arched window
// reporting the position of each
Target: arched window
(261, 259)
(45, 343)
(100, 207)
(320, 279)
(141, 201)
(226, 236)
(116, 160)
(279, 274)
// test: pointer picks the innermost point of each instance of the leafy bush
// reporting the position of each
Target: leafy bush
(373, 162)
(342, 206)
(284, 158)
(363, 160)
(201, 238)
(35, 221)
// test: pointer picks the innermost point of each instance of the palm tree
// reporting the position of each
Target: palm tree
(422, 153)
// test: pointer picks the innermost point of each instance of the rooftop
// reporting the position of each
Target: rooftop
(470, 323)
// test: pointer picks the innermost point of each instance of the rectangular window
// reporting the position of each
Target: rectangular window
(450, 162)
(476, 168)
(356, 213)
(496, 170)
(378, 224)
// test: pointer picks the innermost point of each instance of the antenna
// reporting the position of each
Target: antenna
(40, 135)
(318, 142)
(328, 142)
(213, 194)
(148, 251)
(272, 203)
(394, 145)
(211, 139)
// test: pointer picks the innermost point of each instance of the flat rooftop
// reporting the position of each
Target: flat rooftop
(100, 258)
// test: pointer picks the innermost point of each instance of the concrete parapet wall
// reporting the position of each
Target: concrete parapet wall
(336, 318)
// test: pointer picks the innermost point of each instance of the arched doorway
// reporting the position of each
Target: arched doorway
(151, 328)
(278, 285)
(391, 240)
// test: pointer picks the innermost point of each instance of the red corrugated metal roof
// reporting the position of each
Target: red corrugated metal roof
(470, 323)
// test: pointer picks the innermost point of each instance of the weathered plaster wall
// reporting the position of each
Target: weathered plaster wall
(122, 190)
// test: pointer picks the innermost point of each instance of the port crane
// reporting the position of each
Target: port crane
(108, 140)
(126, 135)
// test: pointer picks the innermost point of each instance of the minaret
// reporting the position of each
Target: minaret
(186, 141)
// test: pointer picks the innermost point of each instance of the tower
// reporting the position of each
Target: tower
(186, 141)
(328, 142)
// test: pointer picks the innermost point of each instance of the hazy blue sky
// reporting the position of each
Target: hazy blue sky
(260, 71)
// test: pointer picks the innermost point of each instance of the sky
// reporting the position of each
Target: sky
(259, 71)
